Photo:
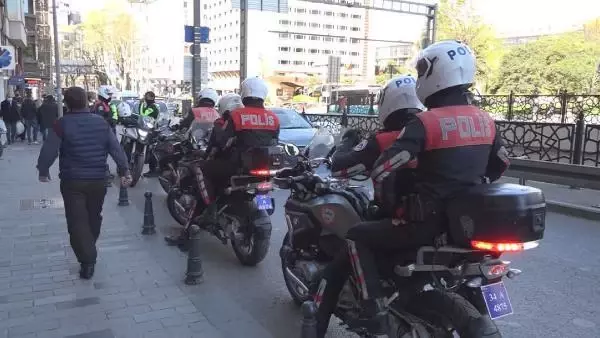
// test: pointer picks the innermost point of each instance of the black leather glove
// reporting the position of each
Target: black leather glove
(352, 134)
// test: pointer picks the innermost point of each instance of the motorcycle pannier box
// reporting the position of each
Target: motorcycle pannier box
(499, 212)
(262, 158)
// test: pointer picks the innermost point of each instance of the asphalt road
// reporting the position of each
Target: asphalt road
(556, 296)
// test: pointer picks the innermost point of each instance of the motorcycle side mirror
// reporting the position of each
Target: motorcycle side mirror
(291, 150)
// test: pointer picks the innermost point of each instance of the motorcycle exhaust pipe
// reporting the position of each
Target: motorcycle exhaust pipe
(296, 280)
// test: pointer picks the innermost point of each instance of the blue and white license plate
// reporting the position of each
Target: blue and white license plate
(263, 202)
(496, 300)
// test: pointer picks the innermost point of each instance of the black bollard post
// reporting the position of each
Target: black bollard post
(148, 228)
(123, 197)
(309, 320)
(195, 273)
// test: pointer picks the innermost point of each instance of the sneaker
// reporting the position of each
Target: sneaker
(86, 271)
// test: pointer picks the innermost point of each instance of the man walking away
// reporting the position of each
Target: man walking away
(11, 117)
(29, 114)
(47, 114)
(83, 141)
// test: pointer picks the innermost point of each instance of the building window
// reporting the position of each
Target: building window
(284, 35)
(328, 26)
(343, 15)
(284, 49)
(342, 52)
(315, 11)
(299, 63)
(313, 51)
(315, 38)
(354, 53)
(283, 62)
(328, 39)
(315, 25)
(342, 28)
(299, 37)
(299, 50)
(328, 13)
(355, 29)
(356, 16)
(326, 51)
(300, 23)
(354, 40)
(284, 22)
(343, 40)
(300, 10)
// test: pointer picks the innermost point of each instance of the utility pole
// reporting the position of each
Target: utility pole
(196, 71)
(243, 41)
(57, 58)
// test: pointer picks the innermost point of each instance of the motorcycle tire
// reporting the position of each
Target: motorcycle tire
(166, 180)
(172, 197)
(450, 310)
(137, 167)
(253, 253)
(297, 297)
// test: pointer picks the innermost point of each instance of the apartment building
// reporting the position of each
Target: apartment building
(289, 46)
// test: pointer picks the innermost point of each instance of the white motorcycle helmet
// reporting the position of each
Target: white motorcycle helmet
(105, 92)
(254, 87)
(443, 65)
(230, 102)
(124, 110)
(209, 93)
(398, 93)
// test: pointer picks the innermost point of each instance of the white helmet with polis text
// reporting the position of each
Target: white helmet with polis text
(399, 93)
(105, 92)
(254, 87)
(209, 94)
(230, 102)
(443, 65)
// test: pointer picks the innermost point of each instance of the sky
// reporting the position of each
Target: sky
(508, 17)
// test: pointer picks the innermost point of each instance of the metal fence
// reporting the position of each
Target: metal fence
(557, 128)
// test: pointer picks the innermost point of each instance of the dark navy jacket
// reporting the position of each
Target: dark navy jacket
(83, 141)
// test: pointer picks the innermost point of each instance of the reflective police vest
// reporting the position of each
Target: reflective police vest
(205, 114)
(145, 110)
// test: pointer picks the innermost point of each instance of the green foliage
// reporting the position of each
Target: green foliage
(458, 20)
(550, 64)
(384, 77)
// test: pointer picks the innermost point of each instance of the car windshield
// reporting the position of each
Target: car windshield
(290, 119)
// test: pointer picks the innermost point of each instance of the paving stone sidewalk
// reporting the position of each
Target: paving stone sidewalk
(132, 293)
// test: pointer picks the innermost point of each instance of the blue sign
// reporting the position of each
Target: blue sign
(16, 81)
(496, 300)
(204, 34)
(189, 33)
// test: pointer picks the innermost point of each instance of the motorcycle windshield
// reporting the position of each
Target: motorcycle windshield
(146, 122)
(320, 145)
(199, 130)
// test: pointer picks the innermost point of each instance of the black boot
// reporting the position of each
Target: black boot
(375, 318)
(86, 271)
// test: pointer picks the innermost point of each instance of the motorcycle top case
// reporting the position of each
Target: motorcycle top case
(499, 212)
(257, 158)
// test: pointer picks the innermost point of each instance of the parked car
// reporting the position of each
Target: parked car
(294, 127)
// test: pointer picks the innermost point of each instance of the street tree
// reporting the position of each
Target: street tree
(549, 65)
(110, 40)
(458, 20)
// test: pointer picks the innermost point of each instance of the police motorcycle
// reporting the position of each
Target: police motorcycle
(244, 207)
(181, 146)
(136, 135)
(454, 287)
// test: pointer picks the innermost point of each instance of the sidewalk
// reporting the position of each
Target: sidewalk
(137, 290)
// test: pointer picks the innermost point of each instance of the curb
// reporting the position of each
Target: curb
(574, 210)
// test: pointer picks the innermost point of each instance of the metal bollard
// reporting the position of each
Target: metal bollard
(148, 228)
(309, 320)
(195, 273)
(123, 197)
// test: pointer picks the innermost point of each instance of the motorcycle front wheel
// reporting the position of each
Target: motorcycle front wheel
(137, 167)
(178, 208)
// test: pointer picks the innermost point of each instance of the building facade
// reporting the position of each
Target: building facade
(13, 37)
(38, 55)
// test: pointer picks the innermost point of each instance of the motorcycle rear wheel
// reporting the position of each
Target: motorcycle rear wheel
(452, 313)
(251, 249)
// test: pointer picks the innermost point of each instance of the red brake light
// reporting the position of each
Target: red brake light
(260, 172)
(503, 247)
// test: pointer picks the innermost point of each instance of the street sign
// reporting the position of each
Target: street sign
(204, 34)
(16, 81)
(188, 33)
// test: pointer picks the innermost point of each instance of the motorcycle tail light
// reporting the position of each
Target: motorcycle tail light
(495, 270)
(503, 246)
(261, 172)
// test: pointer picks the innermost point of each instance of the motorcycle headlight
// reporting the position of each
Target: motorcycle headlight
(148, 122)
(142, 133)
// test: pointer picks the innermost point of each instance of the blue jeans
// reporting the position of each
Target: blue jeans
(31, 126)
(11, 131)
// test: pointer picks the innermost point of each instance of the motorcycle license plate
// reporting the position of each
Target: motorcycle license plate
(263, 202)
(496, 300)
